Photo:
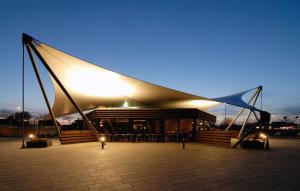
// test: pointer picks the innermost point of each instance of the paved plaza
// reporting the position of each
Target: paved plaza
(149, 166)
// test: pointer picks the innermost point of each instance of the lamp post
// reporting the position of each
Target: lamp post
(225, 123)
(285, 120)
(18, 110)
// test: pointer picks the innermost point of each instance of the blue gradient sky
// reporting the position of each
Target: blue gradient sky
(209, 48)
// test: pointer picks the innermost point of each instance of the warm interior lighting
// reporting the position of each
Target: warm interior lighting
(31, 136)
(263, 136)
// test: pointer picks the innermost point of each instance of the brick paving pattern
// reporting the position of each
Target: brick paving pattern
(149, 166)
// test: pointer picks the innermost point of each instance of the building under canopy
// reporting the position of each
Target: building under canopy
(82, 86)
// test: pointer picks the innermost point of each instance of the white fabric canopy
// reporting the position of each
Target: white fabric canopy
(92, 86)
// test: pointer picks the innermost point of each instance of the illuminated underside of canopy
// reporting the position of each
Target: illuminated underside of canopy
(92, 86)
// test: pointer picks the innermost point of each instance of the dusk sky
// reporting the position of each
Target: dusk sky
(208, 48)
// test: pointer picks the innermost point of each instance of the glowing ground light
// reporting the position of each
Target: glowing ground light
(31, 136)
(263, 136)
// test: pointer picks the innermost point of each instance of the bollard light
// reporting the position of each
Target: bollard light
(102, 140)
(31, 136)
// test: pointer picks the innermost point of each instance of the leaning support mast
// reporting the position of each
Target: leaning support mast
(240, 136)
(85, 119)
(243, 109)
(249, 113)
(26, 42)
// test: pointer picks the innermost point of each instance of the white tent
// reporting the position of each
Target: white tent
(92, 86)
(81, 86)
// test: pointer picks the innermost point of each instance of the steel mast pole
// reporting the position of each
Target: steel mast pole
(85, 119)
(225, 120)
(23, 87)
(43, 89)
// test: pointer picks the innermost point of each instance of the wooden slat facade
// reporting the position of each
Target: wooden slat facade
(217, 137)
(150, 113)
(77, 136)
